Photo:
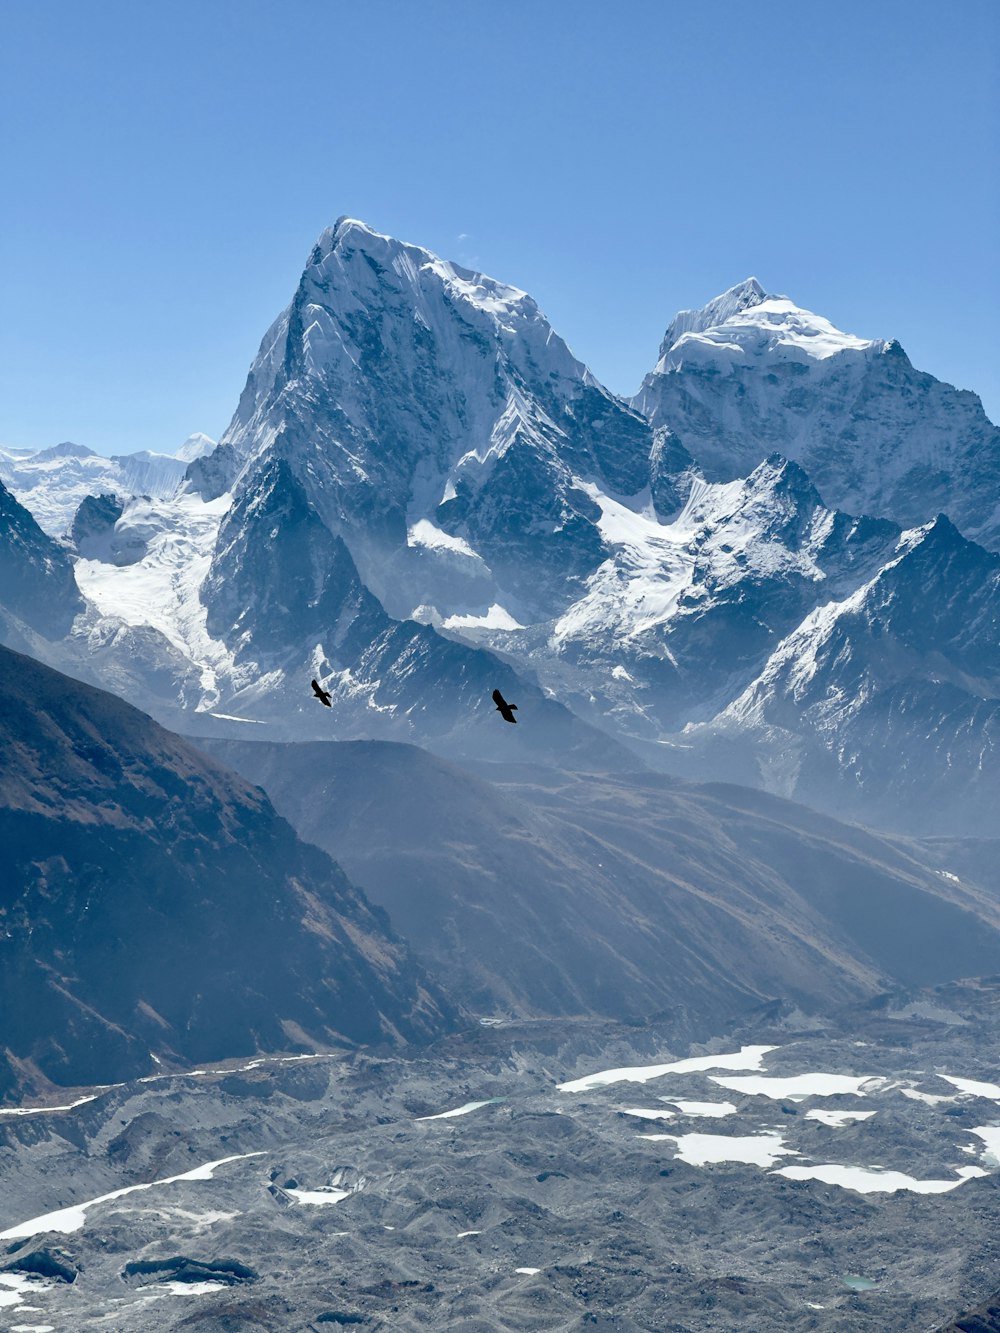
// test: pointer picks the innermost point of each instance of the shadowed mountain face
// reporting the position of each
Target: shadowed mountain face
(37, 586)
(284, 591)
(548, 893)
(151, 901)
(884, 706)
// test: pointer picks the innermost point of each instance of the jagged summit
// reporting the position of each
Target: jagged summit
(745, 324)
(350, 236)
(368, 304)
(742, 297)
(414, 399)
(752, 373)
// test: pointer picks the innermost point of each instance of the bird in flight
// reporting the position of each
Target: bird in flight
(505, 709)
(321, 694)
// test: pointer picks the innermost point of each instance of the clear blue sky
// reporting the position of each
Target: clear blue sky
(165, 169)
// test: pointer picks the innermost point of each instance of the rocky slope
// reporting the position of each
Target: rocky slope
(542, 893)
(152, 902)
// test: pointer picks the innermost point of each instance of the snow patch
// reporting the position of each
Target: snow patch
(713, 1109)
(874, 1180)
(837, 1119)
(799, 1086)
(495, 618)
(324, 1195)
(74, 1217)
(971, 1088)
(462, 1110)
(748, 1057)
(704, 1149)
(425, 533)
(48, 1110)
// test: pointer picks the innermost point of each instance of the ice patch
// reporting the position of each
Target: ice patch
(837, 1118)
(460, 1235)
(748, 1057)
(973, 1089)
(462, 1110)
(714, 1109)
(74, 1217)
(800, 1086)
(529, 1271)
(704, 1149)
(874, 1180)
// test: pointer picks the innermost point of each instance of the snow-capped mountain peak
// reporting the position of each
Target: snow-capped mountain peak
(753, 373)
(744, 296)
(195, 446)
(404, 390)
(745, 324)
(381, 328)
(348, 237)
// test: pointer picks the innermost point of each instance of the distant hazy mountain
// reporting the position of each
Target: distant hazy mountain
(151, 901)
(52, 483)
(886, 704)
(753, 374)
(547, 893)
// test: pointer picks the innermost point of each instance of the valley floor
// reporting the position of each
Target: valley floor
(791, 1173)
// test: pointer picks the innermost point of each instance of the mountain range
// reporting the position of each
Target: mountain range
(423, 494)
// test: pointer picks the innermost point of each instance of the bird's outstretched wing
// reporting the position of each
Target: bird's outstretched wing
(505, 709)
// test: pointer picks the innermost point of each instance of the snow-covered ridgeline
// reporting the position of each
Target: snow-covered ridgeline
(52, 482)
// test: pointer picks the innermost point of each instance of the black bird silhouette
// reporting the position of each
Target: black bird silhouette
(505, 709)
(321, 694)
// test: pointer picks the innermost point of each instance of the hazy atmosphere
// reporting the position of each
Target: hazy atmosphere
(499, 668)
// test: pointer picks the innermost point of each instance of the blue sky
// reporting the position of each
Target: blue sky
(166, 168)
